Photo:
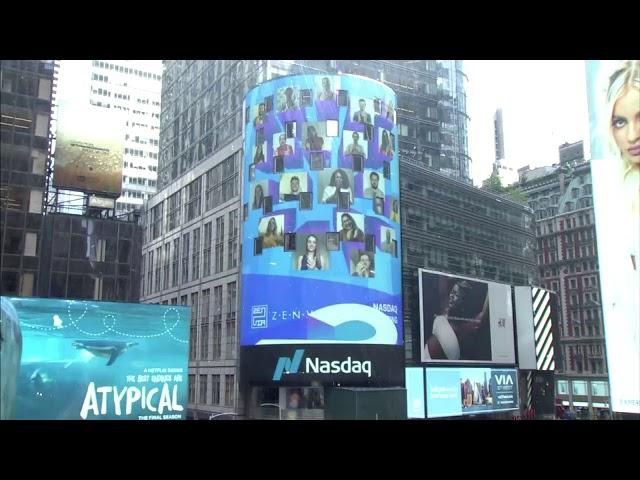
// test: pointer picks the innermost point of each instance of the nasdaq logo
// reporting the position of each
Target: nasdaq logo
(259, 316)
(315, 365)
(289, 365)
(504, 379)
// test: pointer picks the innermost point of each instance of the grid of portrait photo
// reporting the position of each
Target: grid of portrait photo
(306, 159)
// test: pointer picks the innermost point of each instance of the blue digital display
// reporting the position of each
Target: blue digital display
(474, 390)
(321, 239)
(75, 360)
(414, 380)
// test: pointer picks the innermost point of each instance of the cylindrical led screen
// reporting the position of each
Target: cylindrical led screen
(321, 238)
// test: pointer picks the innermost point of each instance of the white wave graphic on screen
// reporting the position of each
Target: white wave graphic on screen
(336, 315)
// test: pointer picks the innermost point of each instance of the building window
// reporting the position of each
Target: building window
(167, 263)
(156, 220)
(563, 387)
(158, 268)
(203, 389)
(579, 387)
(232, 260)
(185, 258)
(173, 214)
(219, 252)
(192, 389)
(215, 389)
(231, 319)
(206, 252)
(195, 258)
(144, 274)
(229, 390)
(192, 199)
(176, 256)
(150, 274)
(217, 323)
(204, 324)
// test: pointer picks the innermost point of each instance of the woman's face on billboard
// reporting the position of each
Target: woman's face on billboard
(625, 125)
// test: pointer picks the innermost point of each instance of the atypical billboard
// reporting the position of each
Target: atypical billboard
(455, 391)
(89, 149)
(73, 360)
(321, 257)
(465, 319)
(537, 325)
(613, 91)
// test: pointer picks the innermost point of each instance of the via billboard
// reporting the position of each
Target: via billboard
(91, 360)
(613, 91)
(455, 391)
(321, 258)
(465, 320)
(89, 149)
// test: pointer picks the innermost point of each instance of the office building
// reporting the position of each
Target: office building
(27, 87)
(133, 87)
(567, 257)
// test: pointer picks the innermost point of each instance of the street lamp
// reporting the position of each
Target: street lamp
(212, 416)
(273, 405)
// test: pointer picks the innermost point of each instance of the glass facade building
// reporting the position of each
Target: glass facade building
(27, 87)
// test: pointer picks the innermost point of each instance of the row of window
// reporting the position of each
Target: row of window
(139, 181)
(459, 201)
(220, 185)
(582, 360)
(126, 206)
(127, 70)
(142, 141)
(152, 168)
(209, 389)
(432, 256)
(599, 388)
(198, 241)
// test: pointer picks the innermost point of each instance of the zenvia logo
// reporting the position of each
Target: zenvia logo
(315, 365)
(503, 379)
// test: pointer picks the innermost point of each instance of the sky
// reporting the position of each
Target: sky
(543, 103)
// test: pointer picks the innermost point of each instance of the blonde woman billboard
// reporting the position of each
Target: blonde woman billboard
(613, 89)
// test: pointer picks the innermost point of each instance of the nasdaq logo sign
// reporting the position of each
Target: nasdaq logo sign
(315, 365)
(289, 365)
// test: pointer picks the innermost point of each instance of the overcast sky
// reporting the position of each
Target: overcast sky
(543, 105)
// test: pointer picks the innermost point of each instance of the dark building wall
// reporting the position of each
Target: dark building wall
(89, 258)
(27, 87)
(452, 227)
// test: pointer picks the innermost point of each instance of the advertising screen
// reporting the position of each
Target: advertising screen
(465, 320)
(89, 149)
(74, 360)
(613, 92)
(537, 324)
(414, 380)
(455, 391)
(321, 263)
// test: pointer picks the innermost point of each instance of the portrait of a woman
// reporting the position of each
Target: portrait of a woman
(350, 231)
(339, 183)
(272, 238)
(310, 260)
